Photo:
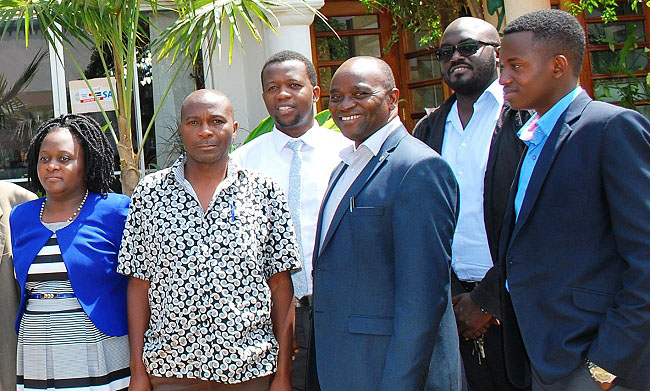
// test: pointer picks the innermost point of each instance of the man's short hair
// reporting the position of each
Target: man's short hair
(288, 55)
(558, 31)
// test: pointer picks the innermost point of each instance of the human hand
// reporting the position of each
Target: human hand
(472, 322)
(139, 380)
(296, 347)
(281, 383)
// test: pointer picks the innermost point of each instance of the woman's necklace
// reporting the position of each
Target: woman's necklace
(74, 214)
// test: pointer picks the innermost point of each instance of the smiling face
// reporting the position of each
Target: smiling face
(471, 74)
(207, 127)
(360, 104)
(529, 76)
(289, 96)
(61, 165)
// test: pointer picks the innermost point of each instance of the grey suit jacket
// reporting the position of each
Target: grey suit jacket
(382, 315)
(10, 196)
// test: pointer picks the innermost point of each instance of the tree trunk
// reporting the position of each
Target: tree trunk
(130, 174)
(477, 8)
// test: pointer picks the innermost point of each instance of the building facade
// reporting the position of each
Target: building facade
(615, 70)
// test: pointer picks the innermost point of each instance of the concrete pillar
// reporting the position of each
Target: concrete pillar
(515, 8)
(240, 81)
(292, 30)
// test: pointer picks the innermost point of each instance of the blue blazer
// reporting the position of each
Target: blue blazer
(577, 259)
(89, 247)
(382, 307)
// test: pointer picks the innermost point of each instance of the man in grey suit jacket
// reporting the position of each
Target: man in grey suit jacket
(382, 304)
(10, 196)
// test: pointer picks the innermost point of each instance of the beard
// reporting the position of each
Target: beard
(484, 74)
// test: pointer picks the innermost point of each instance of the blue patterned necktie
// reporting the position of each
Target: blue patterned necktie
(299, 278)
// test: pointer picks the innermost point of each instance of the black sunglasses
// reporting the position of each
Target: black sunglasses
(465, 49)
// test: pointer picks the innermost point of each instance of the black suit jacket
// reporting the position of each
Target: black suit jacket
(505, 153)
(577, 259)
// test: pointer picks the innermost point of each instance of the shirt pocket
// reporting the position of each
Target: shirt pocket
(374, 325)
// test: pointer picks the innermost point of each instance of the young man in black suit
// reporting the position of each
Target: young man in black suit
(575, 248)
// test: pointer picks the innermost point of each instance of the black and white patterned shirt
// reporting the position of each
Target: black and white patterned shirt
(209, 298)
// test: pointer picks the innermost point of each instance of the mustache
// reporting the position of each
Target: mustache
(456, 64)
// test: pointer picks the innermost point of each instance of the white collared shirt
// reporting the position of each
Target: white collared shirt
(466, 151)
(269, 154)
(356, 160)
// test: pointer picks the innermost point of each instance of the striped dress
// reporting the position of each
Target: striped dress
(59, 348)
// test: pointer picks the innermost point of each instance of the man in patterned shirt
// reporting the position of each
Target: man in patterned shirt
(209, 248)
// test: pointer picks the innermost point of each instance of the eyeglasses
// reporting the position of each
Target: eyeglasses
(465, 49)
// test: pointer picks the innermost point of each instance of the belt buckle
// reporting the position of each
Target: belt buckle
(48, 296)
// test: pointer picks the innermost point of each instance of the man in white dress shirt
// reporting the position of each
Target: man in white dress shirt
(477, 136)
(300, 156)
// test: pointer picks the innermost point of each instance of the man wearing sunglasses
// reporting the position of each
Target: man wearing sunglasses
(477, 135)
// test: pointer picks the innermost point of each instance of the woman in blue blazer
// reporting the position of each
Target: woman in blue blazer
(71, 324)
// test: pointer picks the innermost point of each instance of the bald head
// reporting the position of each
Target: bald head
(207, 128)
(372, 65)
(482, 30)
(363, 97)
(208, 97)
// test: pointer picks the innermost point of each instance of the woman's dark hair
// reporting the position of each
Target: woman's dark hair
(98, 152)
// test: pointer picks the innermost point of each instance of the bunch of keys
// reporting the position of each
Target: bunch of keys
(479, 348)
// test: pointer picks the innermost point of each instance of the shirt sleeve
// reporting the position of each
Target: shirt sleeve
(281, 248)
(134, 255)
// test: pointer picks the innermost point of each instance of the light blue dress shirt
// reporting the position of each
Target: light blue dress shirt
(545, 125)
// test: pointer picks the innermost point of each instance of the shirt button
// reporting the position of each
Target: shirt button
(460, 172)
(534, 157)
(458, 259)
(463, 145)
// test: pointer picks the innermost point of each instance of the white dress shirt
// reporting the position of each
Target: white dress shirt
(466, 151)
(269, 154)
(356, 160)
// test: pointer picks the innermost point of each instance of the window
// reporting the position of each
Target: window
(616, 61)
(424, 87)
(46, 94)
(362, 33)
(22, 113)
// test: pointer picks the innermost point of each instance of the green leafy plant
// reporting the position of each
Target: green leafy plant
(428, 18)
(120, 25)
(608, 7)
(624, 59)
(625, 86)
(9, 101)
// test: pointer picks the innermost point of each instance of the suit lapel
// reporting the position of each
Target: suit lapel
(438, 135)
(558, 136)
(509, 217)
(359, 183)
(336, 174)
(438, 125)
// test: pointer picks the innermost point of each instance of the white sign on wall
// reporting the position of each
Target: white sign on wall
(83, 100)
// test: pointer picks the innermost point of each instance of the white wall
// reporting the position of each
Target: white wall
(240, 81)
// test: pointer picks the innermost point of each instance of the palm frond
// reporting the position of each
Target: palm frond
(9, 101)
